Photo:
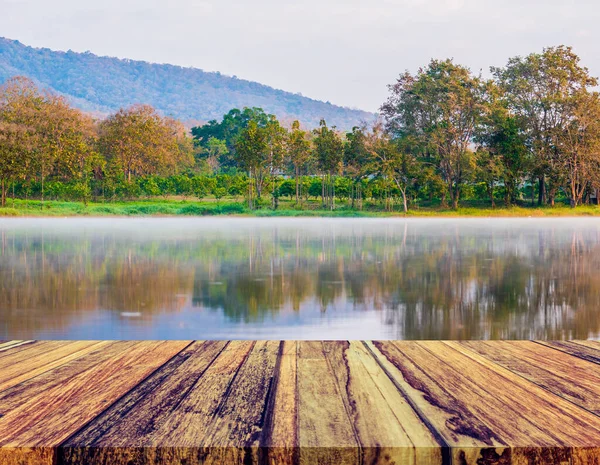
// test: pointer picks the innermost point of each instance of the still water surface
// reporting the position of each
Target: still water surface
(237, 278)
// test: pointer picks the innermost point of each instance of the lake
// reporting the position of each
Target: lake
(299, 278)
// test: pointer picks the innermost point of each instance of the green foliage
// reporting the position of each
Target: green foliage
(446, 135)
(287, 188)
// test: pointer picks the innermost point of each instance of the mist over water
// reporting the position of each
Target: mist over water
(299, 278)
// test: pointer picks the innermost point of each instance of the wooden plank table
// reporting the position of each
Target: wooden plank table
(288, 402)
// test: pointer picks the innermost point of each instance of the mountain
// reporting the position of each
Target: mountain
(104, 84)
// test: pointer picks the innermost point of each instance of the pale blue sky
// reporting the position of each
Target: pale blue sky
(342, 51)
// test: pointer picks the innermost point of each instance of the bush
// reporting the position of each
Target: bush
(205, 210)
(9, 212)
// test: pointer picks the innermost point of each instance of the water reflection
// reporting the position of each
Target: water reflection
(299, 278)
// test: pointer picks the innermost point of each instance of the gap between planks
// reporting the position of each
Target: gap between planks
(363, 382)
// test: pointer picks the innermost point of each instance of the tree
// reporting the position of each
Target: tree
(298, 152)
(538, 89)
(251, 148)
(65, 140)
(228, 131)
(276, 136)
(440, 107)
(356, 159)
(502, 146)
(329, 152)
(579, 149)
(392, 160)
(489, 171)
(215, 152)
(42, 134)
(141, 142)
(19, 99)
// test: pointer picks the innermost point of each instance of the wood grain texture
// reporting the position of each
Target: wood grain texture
(23, 352)
(387, 428)
(35, 364)
(325, 431)
(572, 378)
(126, 432)
(44, 418)
(484, 410)
(7, 345)
(281, 417)
(292, 403)
(576, 348)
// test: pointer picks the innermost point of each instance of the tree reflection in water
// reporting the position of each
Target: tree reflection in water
(415, 279)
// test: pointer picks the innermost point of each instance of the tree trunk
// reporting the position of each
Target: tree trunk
(404, 204)
(297, 186)
(250, 189)
(491, 194)
(574, 196)
(333, 194)
(454, 193)
(3, 201)
(551, 196)
(542, 191)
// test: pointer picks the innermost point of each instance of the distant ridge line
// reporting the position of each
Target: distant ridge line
(103, 84)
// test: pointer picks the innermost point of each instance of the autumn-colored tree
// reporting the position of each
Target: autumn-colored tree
(41, 134)
(142, 142)
(65, 138)
(19, 99)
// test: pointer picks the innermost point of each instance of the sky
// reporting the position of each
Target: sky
(345, 52)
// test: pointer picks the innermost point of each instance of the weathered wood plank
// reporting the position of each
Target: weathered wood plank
(573, 348)
(387, 428)
(559, 421)
(281, 422)
(18, 394)
(237, 432)
(21, 353)
(422, 379)
(572, 378)
(7, 345)
(590, 344)
(164, 419)
(270, 402)
(42, 419)
(483, 410)
(120, 434)
(34, 365)
(325, 431)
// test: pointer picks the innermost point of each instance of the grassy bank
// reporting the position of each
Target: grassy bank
(178, 207)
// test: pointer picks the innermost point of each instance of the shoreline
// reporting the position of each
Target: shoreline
(457, 215)
(169, 208)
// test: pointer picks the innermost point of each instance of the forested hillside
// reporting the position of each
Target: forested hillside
(104, 84)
